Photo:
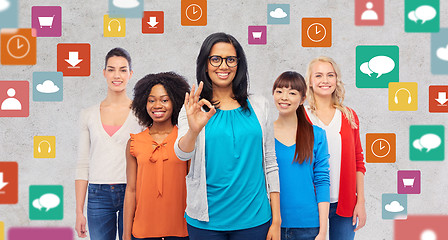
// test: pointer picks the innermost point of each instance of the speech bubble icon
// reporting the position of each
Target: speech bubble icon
(36, 204)
(430, 141)
(411, 16)
(425, 13)
(381, 65)
(365, 68)
(417, 144)
(49, 201)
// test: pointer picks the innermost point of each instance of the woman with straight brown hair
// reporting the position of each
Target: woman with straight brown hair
(302, 156)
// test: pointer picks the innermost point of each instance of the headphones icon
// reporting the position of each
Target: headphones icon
(119, 25)
(409, 98)
(49, 146)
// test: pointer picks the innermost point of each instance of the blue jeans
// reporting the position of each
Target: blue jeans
(104, 203)
(300, 233)
(165, 238)
(341, 228)
(255, 233)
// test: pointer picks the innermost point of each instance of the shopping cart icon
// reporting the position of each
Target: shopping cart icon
(408, 182)
(256, 35)
(46, 21)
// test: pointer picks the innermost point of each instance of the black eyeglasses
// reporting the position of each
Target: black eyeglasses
(216, 61)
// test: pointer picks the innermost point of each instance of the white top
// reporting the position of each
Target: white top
(102, 158)
(334, 148)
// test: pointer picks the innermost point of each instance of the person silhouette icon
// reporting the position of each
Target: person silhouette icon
(428, 234)
(369, 14)
(11, 103)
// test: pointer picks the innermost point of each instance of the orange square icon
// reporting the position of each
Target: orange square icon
(9, 182)
(194, 12)
(18, 46)
(380, 147)
(74, 59)
(316, 32)
(152, 22)
(438, 99)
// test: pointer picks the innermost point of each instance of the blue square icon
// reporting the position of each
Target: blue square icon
(439, 52)
(47, 86)
(278, 13)
(126, 8)
(395, 206)
(9, 13)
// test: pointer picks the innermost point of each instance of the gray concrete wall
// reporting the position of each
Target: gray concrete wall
(177, 49)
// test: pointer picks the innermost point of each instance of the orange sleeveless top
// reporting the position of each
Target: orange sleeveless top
(160, 187)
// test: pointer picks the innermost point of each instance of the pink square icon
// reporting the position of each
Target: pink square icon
(257, 35)
(14, 98)
(47, 21)
(422, 227)
(369, 12)
(40, 233)
(408, 182)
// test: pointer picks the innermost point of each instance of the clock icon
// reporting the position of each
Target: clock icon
(316, 32)
(380, 147)
(18, 46)
(193, 12)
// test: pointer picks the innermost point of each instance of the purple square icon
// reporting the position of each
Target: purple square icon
(40, 233)
(257, 35)
(408, 182)
(47, 20)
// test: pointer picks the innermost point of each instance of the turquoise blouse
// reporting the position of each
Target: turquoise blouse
(236, 189)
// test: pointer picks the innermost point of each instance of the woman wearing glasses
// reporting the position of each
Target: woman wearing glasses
(231, 147)
(326, 110)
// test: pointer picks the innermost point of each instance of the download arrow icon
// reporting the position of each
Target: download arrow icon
(73, 59)
(442, 98)
(152, 22)
(2, 184)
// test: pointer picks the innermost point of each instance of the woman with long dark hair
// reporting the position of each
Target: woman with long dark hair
(227, 135)
(302, 156)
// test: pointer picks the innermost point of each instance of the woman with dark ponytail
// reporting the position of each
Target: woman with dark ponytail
(302, 156)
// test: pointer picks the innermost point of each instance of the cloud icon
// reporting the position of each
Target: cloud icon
(394, 206)
(4, 4)
(442, 53)
(126, 3)
(47, 87)
(278, 13)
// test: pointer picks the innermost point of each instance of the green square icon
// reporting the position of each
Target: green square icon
(46, 202)
(376, 66)
(421, 16)
(427, 143)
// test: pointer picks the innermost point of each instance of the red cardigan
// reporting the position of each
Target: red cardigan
(352, 161)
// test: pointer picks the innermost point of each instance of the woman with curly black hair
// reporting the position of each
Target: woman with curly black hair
(155, 197)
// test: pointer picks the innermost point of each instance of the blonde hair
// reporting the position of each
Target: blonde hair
(337, 96)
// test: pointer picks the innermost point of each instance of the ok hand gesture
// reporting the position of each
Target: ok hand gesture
(197, 118)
